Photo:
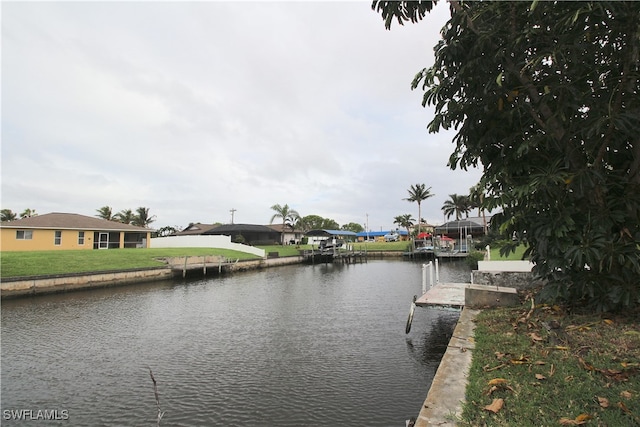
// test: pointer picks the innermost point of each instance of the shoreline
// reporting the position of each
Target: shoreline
(20, 287)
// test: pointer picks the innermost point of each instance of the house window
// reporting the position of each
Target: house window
(80, 238)
(58, 238)
(24, 234)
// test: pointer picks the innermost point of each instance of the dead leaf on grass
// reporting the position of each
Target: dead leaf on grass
(603, 402)
(626, 394)
(495, 406)
(498, 384)
(608, 321)
(495, 368)
(586, 365)
(520, 361)
(535, 337)
(497, 381)
(577, 421)
(624, 408)
(540, 377)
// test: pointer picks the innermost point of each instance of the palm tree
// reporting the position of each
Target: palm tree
(405, 221)
(289, 217)
(458, 205)
(8, 215)
(418, 193)
(28, 213)
(142, 218)
(105, 212)
(476, 197)
(125, 216)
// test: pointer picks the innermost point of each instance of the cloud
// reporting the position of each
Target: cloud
(192, 109)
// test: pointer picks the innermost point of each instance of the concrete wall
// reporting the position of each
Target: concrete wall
(520, 266)
(509, 274)
(52, 284)
(219, 242)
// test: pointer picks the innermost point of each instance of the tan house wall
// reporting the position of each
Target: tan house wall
(44, 240)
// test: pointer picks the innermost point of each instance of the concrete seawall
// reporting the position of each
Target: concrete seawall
(11, 288)
(19, 287)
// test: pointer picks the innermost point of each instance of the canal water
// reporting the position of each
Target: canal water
(298, 345)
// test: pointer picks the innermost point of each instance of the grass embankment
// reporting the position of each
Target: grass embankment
(546, 367)
(38, 263)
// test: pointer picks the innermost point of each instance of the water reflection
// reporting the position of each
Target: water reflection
(319, 345)
(430, 342)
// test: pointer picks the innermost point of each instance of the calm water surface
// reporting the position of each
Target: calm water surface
(298, 345)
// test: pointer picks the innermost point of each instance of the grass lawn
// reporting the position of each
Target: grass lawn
(517, 255)
(37, 263)
(546, 367)
(22, 264)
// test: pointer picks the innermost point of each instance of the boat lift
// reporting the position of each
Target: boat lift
(443, 296)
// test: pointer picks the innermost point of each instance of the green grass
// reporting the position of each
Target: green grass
(517, 255)
(36, 263)
(585, 367)
(382, 246)
(39, 263)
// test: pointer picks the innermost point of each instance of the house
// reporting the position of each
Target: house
(291, 236)
(461, 229)
(317, 236)
(195, 229)
(379, 235)
(64, 231)
(251, 234)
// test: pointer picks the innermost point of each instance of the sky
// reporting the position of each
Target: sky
(192, 109)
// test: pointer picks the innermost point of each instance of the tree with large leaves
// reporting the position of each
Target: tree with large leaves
(289, 217)
(545, 97)
(419, 193)
(457, 205)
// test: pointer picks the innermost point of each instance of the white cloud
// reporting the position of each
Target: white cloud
(192, 109)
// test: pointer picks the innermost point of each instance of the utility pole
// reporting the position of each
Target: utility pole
(367, 230)
(233, 211)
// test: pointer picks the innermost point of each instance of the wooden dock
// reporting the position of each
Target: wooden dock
(454, 254)
(209, 263)
(345, 257)
(427, 255)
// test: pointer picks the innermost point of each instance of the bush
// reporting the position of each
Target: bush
(473, 258)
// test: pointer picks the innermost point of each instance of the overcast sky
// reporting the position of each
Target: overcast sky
(192, 109)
